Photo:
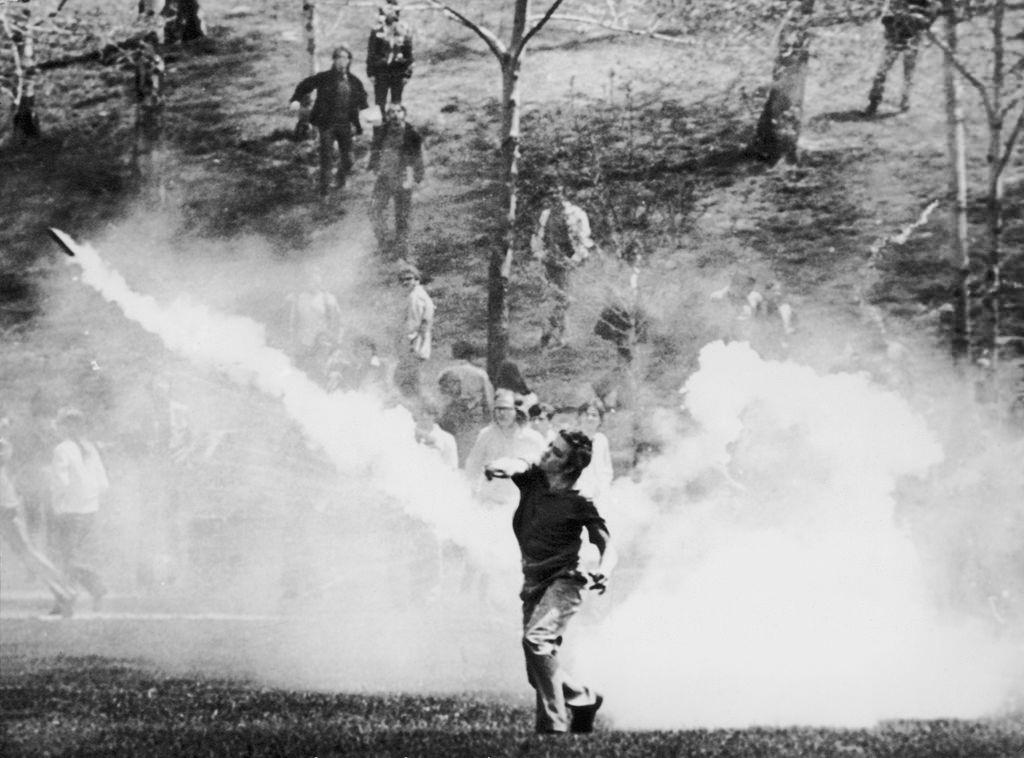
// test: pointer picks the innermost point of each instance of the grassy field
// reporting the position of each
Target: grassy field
(90, 706)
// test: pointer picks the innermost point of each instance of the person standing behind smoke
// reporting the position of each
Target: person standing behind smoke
(561, 241)
(468, 397)
(389, 56)
(79, 478)
(416, 332)
(596, 479)
(314, 322)
(505, 437)
(15, 536)
(339, 98)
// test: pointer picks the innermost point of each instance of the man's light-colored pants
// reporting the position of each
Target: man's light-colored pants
(544, 623)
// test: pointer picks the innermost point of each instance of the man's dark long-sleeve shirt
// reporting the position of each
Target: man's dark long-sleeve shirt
(548, 526)
(338, 100)
(409, 148)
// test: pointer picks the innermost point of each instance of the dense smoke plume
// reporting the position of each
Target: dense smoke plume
(765, 578)
(779, 587)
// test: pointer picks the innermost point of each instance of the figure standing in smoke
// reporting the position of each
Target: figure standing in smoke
(79, 478)
(15, 536)
(416, 334)
(339, 98)
(561, 242)
(547, 524)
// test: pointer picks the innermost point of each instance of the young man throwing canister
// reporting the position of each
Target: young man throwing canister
(548, 524)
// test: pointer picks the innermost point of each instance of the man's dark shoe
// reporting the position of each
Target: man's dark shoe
(583, 716)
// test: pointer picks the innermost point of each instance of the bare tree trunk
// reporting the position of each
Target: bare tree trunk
(993, 274)
(500, 268)
(956, 145)
(778, 129)
(309, 33)
(510, 58)
(26, 120)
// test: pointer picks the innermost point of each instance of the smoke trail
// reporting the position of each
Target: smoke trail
(782, 591)
(355, 431)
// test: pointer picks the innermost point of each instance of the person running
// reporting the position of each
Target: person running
(339, 98)
(548, 525)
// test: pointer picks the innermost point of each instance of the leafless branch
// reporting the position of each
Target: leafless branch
(1010, 105)
(536, 27)
(1011, 141)
(964, 72)
(612, 26)
(495, 44)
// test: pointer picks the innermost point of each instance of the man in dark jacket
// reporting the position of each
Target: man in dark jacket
(397, 156)
(548, 525)
(904, 23)
(339, 98)
(389, 56)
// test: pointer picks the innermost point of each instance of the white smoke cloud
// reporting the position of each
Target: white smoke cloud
(354, 429)
(764, 579)
(785, 592)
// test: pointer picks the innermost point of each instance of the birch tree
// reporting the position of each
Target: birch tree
(778, 129)
(19, 27)
(510, 59)
(1002, 100)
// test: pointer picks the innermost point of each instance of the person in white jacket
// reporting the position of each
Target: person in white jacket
(79, 479)
(596, 479)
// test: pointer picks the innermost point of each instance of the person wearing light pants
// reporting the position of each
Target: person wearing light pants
(548, 525)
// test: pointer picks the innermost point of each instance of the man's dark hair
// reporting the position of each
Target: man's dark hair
(580, 451)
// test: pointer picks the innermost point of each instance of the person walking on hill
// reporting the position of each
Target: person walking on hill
(389, 56)
(339, 98)
(468, 397)
(416, 332)
(548, 524)
(397, 156)
(561, 241)
(79, 479)
(904, 22)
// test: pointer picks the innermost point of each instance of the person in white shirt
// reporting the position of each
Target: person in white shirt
(505, 437)
(79, 479)
(430, 435)
(596, 479)
(15, 536)
(415, 344)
